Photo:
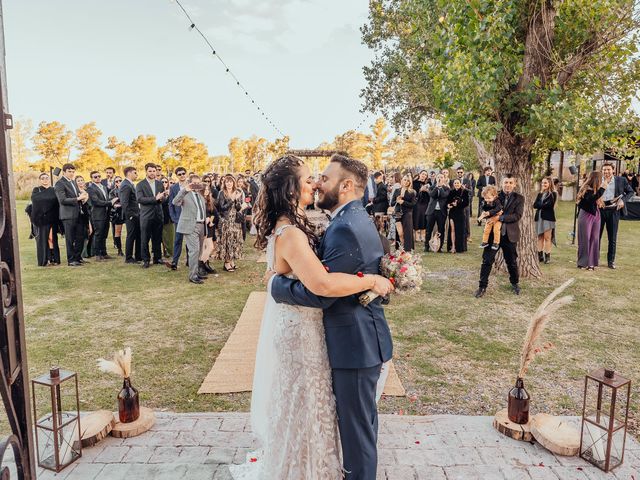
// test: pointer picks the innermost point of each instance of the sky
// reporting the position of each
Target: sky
(134, 67)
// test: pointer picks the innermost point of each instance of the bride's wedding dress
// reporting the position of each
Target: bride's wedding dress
(293, 413)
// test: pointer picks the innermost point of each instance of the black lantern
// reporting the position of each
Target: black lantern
(57, 431)
(605, 413)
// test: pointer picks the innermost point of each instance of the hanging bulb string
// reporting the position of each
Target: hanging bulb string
(193, 26)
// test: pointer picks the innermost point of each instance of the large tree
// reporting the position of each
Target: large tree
(522, 74)
(52, 141)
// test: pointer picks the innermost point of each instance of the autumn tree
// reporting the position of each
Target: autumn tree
(21, 153)
(521, 74)
(91, 156)
(187, 152)
(379, 147)
(53, 143)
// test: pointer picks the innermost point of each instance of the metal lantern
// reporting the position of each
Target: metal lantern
(604, 418)
(58, 431)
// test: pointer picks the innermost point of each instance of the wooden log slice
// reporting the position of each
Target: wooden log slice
(555, 434)
(505, 426)
(96, 426)
(142, 424)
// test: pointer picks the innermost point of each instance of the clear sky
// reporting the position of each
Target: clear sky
(134, 67)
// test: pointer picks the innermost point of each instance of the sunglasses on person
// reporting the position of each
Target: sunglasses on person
(96, 176)
(181, 174)
(118, 181)
(165, 182)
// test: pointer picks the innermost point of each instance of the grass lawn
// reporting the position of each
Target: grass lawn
(454, 354)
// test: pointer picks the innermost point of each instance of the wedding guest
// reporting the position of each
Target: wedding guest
(437, 211)
(242, 187)
(44, 217)
(395, 184)
(174, 212)
(589, 198)
(210, 226)
(403, 201)
(131, 215)
(100, 214)
(380, 203)
(545, 218)
(447, 180)
(432, 178)
(231, 209)
(485, 179)
(513, 208)
(471, 186)
(491, 210)
(457, 202)
(117, 220)
(109, 180)
(151, 195)
(420, 211)
(168, 229)
(85, 220)
(70, 199)
(635, 184)
(191, 224)
(617, 193)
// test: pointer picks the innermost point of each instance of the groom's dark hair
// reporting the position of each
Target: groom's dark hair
(354, 167)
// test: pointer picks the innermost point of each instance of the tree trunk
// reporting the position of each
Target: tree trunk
(561, 166)
(513, 155)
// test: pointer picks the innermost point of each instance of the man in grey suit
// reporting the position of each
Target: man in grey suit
(191, 224)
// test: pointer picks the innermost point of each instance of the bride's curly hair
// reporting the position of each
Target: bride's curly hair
(279, 197)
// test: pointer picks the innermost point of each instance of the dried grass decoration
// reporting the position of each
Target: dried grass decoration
(518, 408)
(128, 399)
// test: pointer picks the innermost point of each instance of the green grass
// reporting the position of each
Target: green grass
(454, 354)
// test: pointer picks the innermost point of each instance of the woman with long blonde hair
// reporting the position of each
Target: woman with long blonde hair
(589, 199)
(545, 218)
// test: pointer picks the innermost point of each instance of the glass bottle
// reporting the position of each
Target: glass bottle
(519, 403)
(128, 403)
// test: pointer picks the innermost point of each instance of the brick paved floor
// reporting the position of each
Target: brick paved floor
(441, 447)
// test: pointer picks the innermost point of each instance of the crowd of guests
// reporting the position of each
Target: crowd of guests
(209, 214)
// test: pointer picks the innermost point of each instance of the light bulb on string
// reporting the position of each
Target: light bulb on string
(192, 26)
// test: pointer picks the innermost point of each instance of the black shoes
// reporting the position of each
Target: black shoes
(82, 261)
(540, 257)
(547, 258)
(145, 264)
(173, 266)
(480, 292)
(132, 261)
(611, 265)
(196, 280)
(158, 262)
(516, 288)
(208, 268)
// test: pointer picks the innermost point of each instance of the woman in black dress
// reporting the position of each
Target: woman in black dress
(85, 220)
(210, 225)
(116, 215)
(457, 201)
(420, 210)
(44, 218)
(403, 201)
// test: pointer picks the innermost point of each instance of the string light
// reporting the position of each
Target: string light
(214, 53)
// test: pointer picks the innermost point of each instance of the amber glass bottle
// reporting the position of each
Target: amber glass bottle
(128, 403)
(519, 403)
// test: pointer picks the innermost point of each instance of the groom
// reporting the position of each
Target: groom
(358, 338)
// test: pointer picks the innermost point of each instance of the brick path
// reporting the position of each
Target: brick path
(441, 447)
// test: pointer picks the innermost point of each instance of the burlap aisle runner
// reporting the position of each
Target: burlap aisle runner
(232, 371)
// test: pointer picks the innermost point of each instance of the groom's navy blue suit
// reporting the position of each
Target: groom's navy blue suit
(358, 338)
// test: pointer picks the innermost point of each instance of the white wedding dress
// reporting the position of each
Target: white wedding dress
(293, 412)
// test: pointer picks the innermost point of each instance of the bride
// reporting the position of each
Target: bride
(293, 413)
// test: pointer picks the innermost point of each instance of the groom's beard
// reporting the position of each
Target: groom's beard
(330, 199)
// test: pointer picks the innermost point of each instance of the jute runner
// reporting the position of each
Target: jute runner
(233, 369)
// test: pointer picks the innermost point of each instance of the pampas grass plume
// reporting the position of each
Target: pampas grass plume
(120, 365)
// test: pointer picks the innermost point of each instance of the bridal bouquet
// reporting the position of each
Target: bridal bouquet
(403, 269)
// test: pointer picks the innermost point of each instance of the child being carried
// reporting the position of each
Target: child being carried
(491, 209)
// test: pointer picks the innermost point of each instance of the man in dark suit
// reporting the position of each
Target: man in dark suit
(100, 209)
(131, 215)
(485, 179)
(437, 210)
(151, 195)
(109, 181)
(358, 337)
(174, 212)
(380, 203)
(512, 210)
(70, 198)
(615, 197)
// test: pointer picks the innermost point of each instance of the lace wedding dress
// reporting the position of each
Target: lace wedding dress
(293, 413)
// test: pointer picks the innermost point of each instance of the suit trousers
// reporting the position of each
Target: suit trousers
(355, 392)
(100, 232)
(151, 229)
(74, 239)
(177, 247)
(194, 246)
(42, 246)
(132, 245)
(439, 218)
(610, 218)
(510, 253)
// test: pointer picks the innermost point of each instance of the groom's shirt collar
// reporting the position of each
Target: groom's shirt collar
(335, 213)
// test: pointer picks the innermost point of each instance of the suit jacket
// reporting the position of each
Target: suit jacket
(174, 210)
(128, 200)
(357, 336)
(150, 207)
(483, 182)
(100, 203)
(545, 206)
(623, 189)
(106, 184)
(438, 195)
(512, 211)
(381, 200)
(68, 198)
(189, 210)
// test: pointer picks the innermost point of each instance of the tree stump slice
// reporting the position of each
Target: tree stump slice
(505, 426)
(96, 426)
(556, 435)
(142, 424)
